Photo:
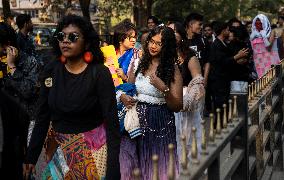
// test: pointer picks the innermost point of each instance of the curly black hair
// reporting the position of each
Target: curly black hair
(168, 55)
(90, 36)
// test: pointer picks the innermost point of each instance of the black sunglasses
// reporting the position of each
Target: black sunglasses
(71, 37)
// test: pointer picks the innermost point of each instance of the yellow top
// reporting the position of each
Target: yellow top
(111, 61)
(3, 59)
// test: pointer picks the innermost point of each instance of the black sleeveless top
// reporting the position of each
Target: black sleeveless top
(186, 74)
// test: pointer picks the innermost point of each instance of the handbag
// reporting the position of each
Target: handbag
(131, 122)
(50, 144)
(128, 89)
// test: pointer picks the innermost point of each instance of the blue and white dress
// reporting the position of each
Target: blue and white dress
(157, 123)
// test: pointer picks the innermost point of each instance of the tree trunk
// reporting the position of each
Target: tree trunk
(139, 12)
(85, 4)
(6, 9)
(149, 7)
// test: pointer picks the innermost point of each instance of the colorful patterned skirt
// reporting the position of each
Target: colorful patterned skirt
(264, 58)
(158, 131)
(79, 156)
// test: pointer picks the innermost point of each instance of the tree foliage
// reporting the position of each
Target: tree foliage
(85, 4)
(214, 9)
(114, 8)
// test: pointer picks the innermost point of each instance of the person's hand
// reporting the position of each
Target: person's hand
(242, 61)
(27, 170)
(12, 53)
(201, 93)
(140, 54)
(127, 100)
(121, 74)
(263, 34)
(242, 53)
(157, 82)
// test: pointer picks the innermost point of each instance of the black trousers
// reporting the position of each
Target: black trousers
(220, 92)
(15, 129)
(209, 105)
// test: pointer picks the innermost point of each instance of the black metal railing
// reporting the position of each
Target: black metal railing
(247, 140)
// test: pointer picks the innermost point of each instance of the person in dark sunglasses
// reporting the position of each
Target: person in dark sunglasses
(78, 97)
(71, 37)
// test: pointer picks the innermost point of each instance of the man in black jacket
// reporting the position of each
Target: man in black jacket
(220, 60)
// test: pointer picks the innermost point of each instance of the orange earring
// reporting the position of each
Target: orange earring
(88, 57)
(63, 59)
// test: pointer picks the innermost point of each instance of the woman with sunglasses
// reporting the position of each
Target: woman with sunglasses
(159, 94)
(77, 96)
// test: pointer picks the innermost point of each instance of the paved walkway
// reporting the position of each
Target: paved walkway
(278, 175)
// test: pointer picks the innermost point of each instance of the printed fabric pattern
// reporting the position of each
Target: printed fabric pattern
(85, 155)
(128, 89)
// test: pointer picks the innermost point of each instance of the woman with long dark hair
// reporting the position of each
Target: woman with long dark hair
(77, 96)
(159, 94)
(193, 88)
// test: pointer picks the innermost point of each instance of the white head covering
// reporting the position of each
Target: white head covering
(265, 25)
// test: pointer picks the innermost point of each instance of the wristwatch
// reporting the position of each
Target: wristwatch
(166, 91)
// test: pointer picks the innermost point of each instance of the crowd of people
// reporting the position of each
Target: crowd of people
(100, 110)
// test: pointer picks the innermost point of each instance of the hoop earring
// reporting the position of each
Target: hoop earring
(88, 57)
(63, 59)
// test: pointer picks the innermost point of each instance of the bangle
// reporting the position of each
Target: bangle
(166, 91)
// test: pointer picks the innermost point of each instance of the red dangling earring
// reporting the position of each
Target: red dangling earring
(63, 59)
(88, 57)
